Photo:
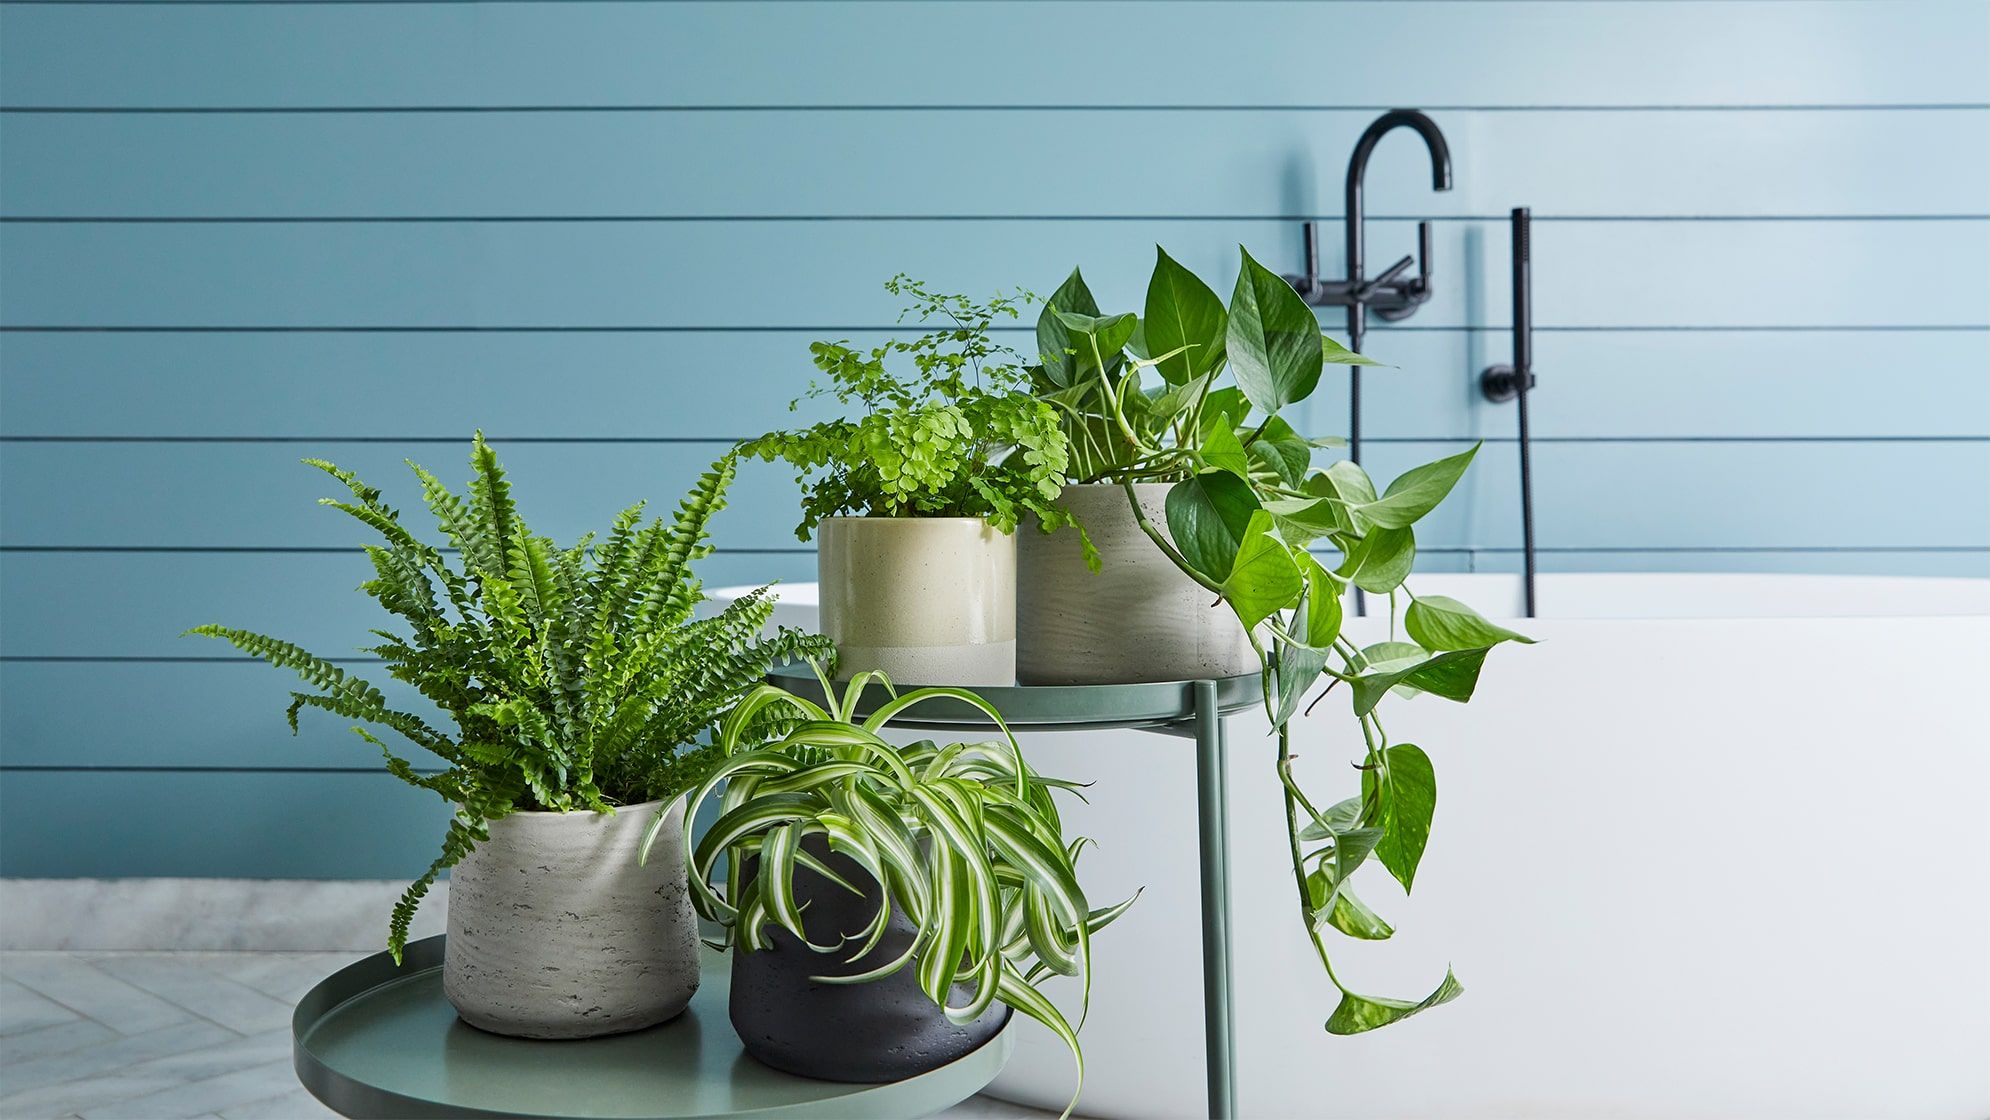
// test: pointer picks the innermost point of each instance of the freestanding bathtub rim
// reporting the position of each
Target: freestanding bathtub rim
(1650, 596)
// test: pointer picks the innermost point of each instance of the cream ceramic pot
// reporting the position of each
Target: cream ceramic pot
(555, 931)
(929, 600)
(1137, 619)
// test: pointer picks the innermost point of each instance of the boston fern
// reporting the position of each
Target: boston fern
(577, 677)
(961, 436)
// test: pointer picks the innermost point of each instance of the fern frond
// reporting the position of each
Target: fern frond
(615, 551)
(314, 669)
(510, 628)
(675, 591)
(574, 588)
(441, 674)
(344, 704)
(445, 784)
(458, 524)
(490, 500)
(531, 574)
(403, 587)
(457, 843)
(620, 589)
(368, 495)
(386, 521)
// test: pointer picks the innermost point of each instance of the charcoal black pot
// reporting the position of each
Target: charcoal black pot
(884, 1030)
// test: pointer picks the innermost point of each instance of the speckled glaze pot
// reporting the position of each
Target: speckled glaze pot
(884, 1030)
(556, 932)
(1137, 619)
(929, 600)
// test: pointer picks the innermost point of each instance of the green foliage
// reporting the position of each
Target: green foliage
(964, 839)
(577, 678)
(1250, 518)
(959, 436)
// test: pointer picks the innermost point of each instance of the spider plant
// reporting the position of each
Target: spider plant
(964, 839)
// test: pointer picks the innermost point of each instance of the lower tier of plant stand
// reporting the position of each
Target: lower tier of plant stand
(379, 1040)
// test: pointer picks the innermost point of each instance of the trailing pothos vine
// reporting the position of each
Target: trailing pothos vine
(1251, 520)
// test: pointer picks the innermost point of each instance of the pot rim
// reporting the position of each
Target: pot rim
(588, 814)
(1117, 485)
(909, 520)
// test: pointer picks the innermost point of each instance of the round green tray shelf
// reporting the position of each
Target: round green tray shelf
(379, 1040)
(1047, 707)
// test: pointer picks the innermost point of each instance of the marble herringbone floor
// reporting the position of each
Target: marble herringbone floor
(163, 1036)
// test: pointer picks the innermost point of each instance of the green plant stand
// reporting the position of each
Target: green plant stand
(1185, 709)
(379, 1040)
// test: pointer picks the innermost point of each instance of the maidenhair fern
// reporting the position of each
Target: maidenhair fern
(578, 678)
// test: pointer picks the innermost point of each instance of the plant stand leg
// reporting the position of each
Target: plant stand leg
(1213, 816)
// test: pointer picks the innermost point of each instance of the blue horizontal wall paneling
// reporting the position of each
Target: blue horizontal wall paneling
(233, 235)
(1709, 53)
(1569, 165)
(701, 275)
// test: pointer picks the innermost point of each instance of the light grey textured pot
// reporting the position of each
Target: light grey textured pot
(1137, 619)
(556, 932)
(929, 600)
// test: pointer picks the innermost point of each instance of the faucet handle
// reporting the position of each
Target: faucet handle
(1411, 293)
(1370, 287)
(1308, 283)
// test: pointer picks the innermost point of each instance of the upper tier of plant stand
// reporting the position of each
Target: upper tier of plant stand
(1046, 707)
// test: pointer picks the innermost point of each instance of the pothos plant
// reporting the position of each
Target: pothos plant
(964, 840)
(959, 435)
(1257, 525)
(577, 678)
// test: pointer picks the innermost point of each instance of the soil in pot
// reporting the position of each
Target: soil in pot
(884, 1030)
(1137, 619)
(555, 931)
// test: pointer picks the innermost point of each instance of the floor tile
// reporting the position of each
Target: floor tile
(22, 1009)
(298, 1104)
(283, 976)
(122, 1055)
(185, 983)
(197, 1098)
(65, 1098)
(220, 1057)
(83, 988)
(58, 1039)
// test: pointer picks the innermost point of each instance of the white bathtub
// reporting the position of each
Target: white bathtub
(1718, 846)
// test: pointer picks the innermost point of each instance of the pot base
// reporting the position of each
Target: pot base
(928, 600)
(881, 1030)
(1135, 621)
(886, 1030)
(989, 663)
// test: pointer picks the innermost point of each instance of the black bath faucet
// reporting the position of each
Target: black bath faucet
(1391, 295)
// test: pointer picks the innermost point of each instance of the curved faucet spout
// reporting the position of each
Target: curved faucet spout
(1408, 295)
(1440, 152)
(1357, 170)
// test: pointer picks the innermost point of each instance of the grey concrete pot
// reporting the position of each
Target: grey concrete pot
(884, 1030)
(929, 600)
(1137, 619)
(556, 932)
